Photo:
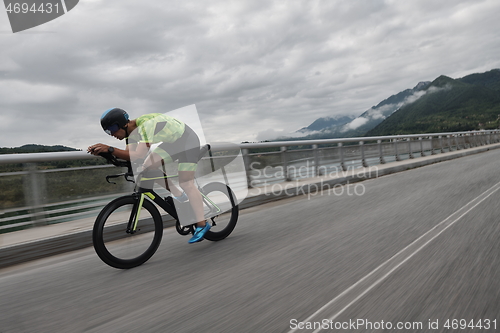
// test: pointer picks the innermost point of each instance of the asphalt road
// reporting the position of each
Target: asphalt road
(414, 249)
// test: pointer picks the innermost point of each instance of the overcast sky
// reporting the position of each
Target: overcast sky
(253, 68)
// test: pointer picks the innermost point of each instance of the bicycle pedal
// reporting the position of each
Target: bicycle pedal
(183, 230)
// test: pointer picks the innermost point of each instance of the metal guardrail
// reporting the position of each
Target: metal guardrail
(265, 163)
(318, 157)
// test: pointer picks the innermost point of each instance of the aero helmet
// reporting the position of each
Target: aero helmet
(114, 119)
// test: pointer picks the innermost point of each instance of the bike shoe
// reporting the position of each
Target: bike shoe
(199, 233)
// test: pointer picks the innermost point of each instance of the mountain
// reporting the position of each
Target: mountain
(377, 114)
(32, 148)
(325, 123)
(448, 105)
(490, 79)
(442, 105)
(348, 126)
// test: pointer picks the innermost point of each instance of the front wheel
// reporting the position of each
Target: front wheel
(221, 209)
(119, 247)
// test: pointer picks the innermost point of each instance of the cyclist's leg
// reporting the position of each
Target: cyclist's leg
(188, 161)
(186, 150)
(186, 181)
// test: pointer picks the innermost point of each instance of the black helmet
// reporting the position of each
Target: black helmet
(114, 119)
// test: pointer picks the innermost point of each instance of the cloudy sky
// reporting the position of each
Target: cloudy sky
(253, 68)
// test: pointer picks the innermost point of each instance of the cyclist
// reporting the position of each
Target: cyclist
(177, 142)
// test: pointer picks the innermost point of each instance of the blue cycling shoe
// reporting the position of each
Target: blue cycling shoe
(199, 233)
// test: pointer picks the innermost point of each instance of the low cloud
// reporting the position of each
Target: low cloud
(273, 134)
(421, 93)
(386, 110)
(360, 121)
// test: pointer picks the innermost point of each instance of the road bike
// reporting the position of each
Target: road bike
(129, 229)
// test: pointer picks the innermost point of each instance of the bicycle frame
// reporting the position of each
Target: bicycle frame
(140, 196)
(141, 193)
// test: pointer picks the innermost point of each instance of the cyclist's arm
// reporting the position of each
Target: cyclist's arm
(102, 148)
(138, 151)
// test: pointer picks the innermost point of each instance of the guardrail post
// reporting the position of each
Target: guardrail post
(396, 150)
(246, 161)
(441, 144)
(341, 154)
(284, 161)
(421, 147)
(363, 159)
(33, 194)
(381, 153)
(456, 142)
(410, 153)
(316, 160)
(432, 146)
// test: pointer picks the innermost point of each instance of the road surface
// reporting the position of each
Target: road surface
(413, 250)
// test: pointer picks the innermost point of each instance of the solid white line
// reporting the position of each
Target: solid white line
(308, 319)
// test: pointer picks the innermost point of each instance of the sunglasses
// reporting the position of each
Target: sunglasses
(112, 129)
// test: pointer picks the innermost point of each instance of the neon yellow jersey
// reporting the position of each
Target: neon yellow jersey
(157, 127)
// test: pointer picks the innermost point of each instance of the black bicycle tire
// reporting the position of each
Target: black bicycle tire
(97, 234)
(220, 235)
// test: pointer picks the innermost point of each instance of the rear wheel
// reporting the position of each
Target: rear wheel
(119, 248)
(221, 209)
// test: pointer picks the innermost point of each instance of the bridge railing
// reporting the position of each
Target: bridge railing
(271, 162)
(37, 194)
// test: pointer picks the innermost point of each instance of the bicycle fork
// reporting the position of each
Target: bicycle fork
(135, 214)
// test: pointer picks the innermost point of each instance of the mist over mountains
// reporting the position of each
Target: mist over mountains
(441, 105)
(449, 105)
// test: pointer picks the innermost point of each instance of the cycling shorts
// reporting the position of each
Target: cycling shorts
(186, 150)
